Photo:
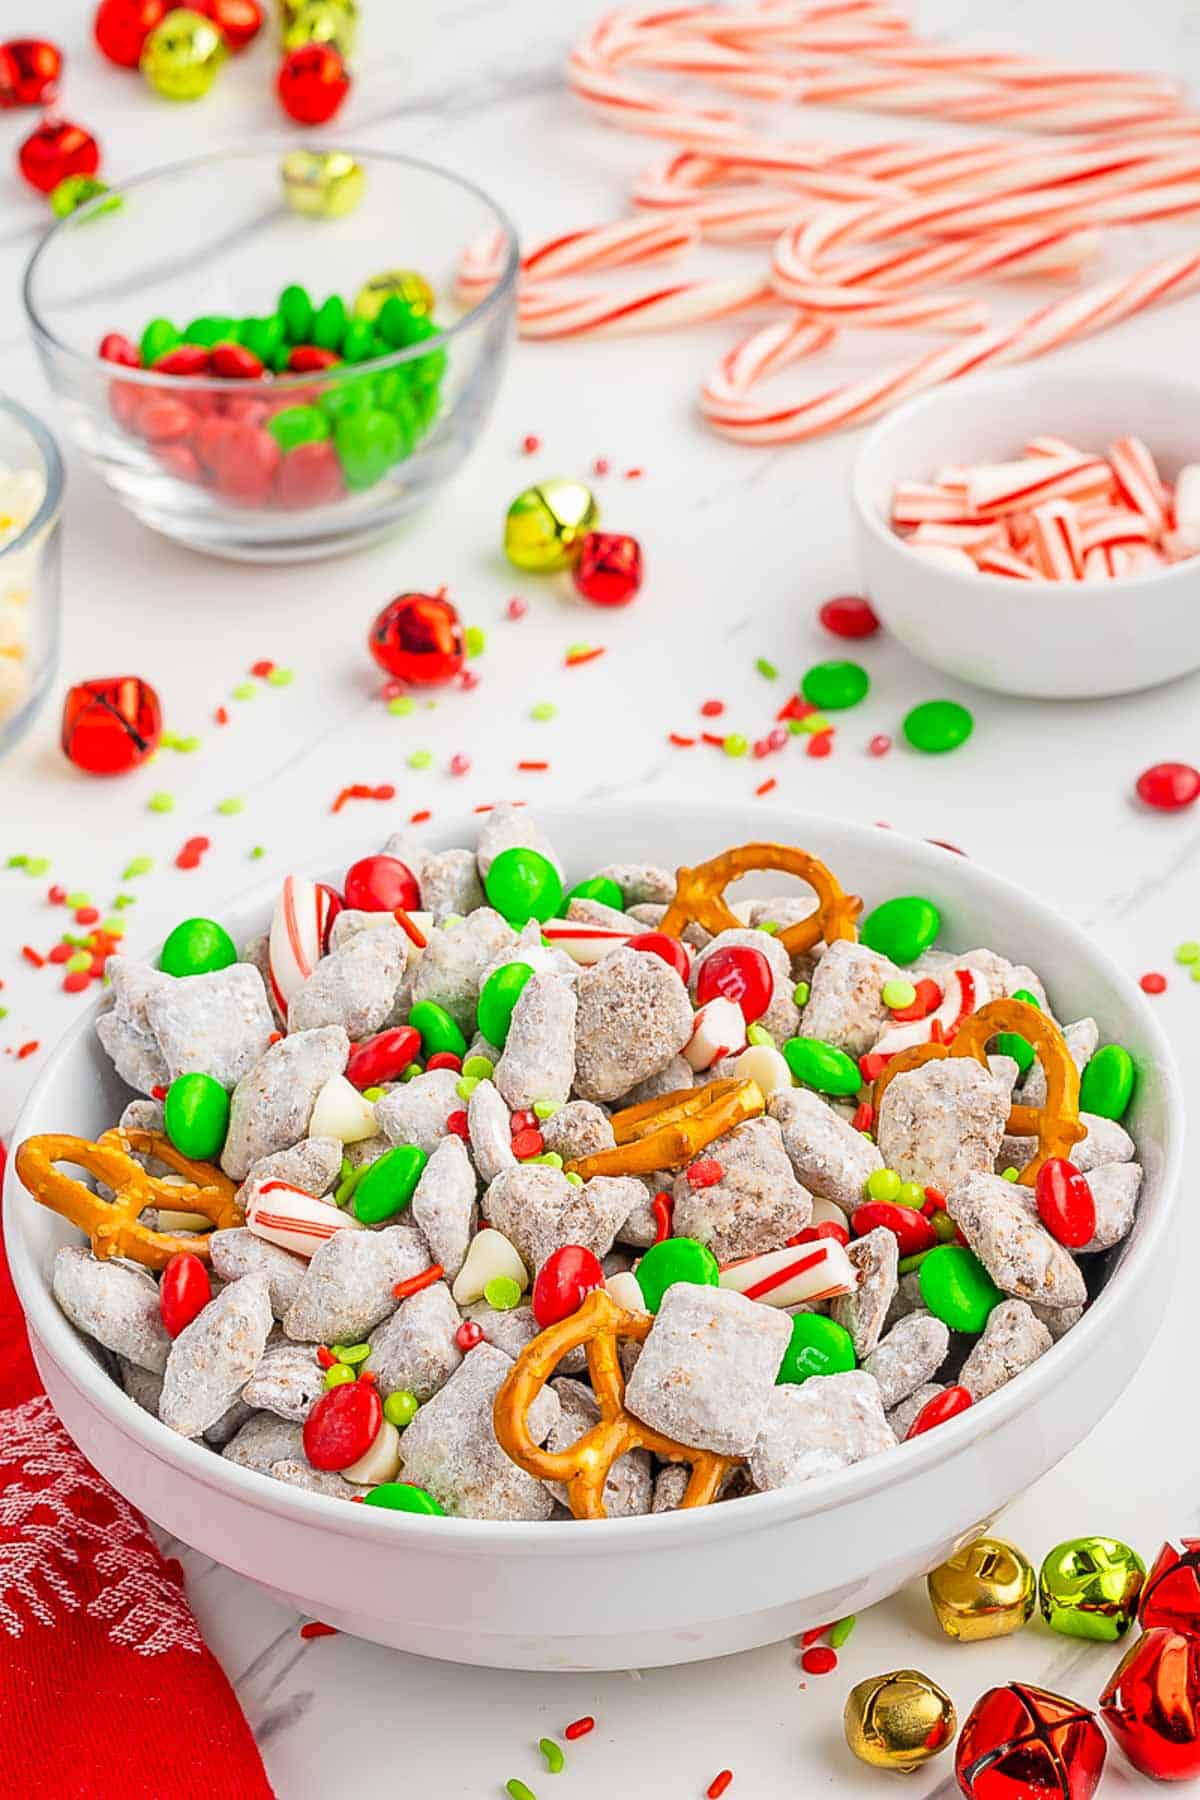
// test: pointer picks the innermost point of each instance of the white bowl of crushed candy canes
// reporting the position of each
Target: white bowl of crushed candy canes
(1013, 532)
(686, 1584)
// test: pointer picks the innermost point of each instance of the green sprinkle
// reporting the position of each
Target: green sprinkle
(474, 641)
(735, 744)
(281, 677)
(37, 865)
(758, 1034)
(545, 709)
(373, 1094)
(479, 1068)
(1196, 971)
(346, 1170)
(349, 1183)
(185, 745)
(465, 1086)
(81, 960)
(141, 865)
(257, 852)
(448, 924)
(766, 669)
(841, 1631)
(16, 862)
(814, 722)
(770, 926)
(502, 1293)
(124, 900)
(546, 1109)
(1009, 1174)
(800, 993)
(553, 1755)
(3, 1012)
(574, 1179)
(795, 727)
(233, 805)
(1188, 952)
(161, 803)
(577, 650)
(352, 1354)
(168, 741)
(550, 1157)
(245, 690)
(420, 759)
(516, 1790)
(113, 927)
(78, 899)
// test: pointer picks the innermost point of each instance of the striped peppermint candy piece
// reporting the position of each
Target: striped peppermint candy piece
(287, 1216)
(965, 991)
(585, 944)
(788, 1277)
(718, 1030)
(301, 919)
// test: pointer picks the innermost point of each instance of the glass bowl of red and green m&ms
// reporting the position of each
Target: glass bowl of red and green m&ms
(275, 353)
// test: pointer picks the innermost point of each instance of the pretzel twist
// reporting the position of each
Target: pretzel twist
(667, 1132)
(1055, 1124)
(599, 1325)
(114, 1226)
(700, 896)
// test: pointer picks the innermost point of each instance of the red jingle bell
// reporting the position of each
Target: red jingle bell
(418, 638)
(184, 1291)
(1152, 1704)
(1064, 1202)
(238, 21)
(343, 1425)
(312, 83)
(739, 973)
(564, 1281)
(29, 72)
(1022, 1743)
(110, 725)
(1171, 1591)
(121, 28)
(54, 151)
(608, 571)
(381, 884)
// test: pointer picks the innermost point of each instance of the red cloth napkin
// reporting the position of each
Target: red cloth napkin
(107, 1689)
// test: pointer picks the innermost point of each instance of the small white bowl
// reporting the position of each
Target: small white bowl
(1054, 640)
(635, 1593)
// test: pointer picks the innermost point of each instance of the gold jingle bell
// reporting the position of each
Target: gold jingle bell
(545, 524)
(324, 184)
(899, 1721)
(1089, 1588)
(321, 22)
(181, 56)
(406, 284)
(984, 1590)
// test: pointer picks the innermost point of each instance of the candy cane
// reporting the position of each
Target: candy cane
(285, 1215)
(789, 1277)
(297, 937)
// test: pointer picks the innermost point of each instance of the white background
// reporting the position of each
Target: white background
(741, 547)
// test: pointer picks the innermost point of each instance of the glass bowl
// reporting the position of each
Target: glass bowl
(209, 244)
(31, 489)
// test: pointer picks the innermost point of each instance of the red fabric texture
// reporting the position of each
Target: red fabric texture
(107, 1690)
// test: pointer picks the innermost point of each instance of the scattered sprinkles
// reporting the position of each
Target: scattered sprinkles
(582, 653)
(234, 804)
(420, 759)
(161, 803)
(766, 669)
(361, 791)
(189, 856)
(819, 1659)
(516, 608)
(765, 787)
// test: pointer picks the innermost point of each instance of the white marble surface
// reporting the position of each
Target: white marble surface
(741, 547)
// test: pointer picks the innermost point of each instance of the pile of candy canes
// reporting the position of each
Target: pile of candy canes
(868, 234)
(1055, 514)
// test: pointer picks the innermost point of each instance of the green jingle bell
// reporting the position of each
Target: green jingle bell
(546, 525)
(321, 22)
(405, 285)
(1089, 1588)
(181, 56)
(322, 184)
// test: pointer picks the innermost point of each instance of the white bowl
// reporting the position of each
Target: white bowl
(683, 1586)
(1059, 640)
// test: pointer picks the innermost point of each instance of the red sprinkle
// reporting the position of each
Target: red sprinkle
(531, 444)
(718, 1785)
(31, 956)
(814, 1634)
(579, 1727)
(76, 981)
(404, 1289)
(523, 1120)
(325, 1356)
(1153, 983)
(468, 679)
(316, 1629)
(262, 668)
(871, 1066)
(682, 743)
(221, 715)
(712, 709)
(86, 915)
(764, 787)
(848, 616)
(820, 1660)
(193, 850)
(663, 1208)
(460, 764)
(716, 738)
(528, 1143)
(879, 745)
(530, 768)
(819, 744)
(812, 1234)
(28, 1049)
(864, 1118)
(634, 474)
(794, 708)
(60, 953)
(457, 1124)
(56, 895)
(360, 791)
(469, 1333)
(420, 818)
(704, 1173)
(601, 466)
(516, 608)
(575, 657)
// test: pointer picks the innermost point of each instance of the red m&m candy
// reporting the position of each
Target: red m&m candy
(657, 943)
(1169, 786)
(184, 1291)
(343, 1425)
(946, 1405)
(848, 616)
(1065, 1203)
(739, 973)
(381, 884)
(911, 1229)
(564, 1282)
(383, 1057)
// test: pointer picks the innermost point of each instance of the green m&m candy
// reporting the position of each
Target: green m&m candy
(819, 1346)
(522, 885)
(367, 444)
(675, 1259)
(439, 1034)
(822, 1066)
(358, 342)
(210, 329)
(499, 994)
(298, 425)
(159, 337)
(402, 1496)
(938, 725)
(957, 1288)
(196, 1116)
(329, 323)
(833, 686)
(265, 337)
(601, 888)
(197, 947)
(902, 928)
(1011, 1043)
(1106, 1086)
(389, 1184)
(295, 308)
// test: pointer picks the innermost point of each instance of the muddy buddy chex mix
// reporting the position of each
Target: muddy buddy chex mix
(463, 1192)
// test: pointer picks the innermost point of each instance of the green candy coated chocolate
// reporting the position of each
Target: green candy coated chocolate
(298, 425)
(819, 1346)
(902, 928)
(601, 888)
(159, 337)
(264, 337)
(329, 323)
(957, 1288)
(296, 310)
(438, 1031)
(196, 1116)
(368, 443)
(675, 1259)
(822, 1066)
(402, 1496)
(398, 324)
(498, 996)
(833, 686)
(389, 1184)
(209, 329)
(197, 947)
(1106, 1086)
(358, 342)
(522, 885)
(344, 397)
(1011, 1043)
(938, 725)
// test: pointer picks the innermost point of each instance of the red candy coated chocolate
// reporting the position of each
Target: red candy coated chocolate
(848, 616)
(1064, 1203)
(380, 884)
(671, 951)
(184, 1291)
(1022, 1743)
(564, 1281)
(246, 462)
(1169, 786)
(233, 362)
(739, 973)
(911, 1229)
(383, 1057)
(310, 475)
(343, 1425)
(943, 1406)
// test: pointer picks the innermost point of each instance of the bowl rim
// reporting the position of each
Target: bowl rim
(754, 1512)
(52, 469)
(978, 387)
(491, 302)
